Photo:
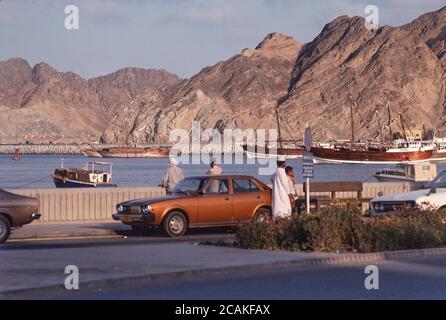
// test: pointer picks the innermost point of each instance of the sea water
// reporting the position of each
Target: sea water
(34, 171)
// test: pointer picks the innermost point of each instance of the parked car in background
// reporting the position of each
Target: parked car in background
(16, 211)
(432, 196)
(196, 202)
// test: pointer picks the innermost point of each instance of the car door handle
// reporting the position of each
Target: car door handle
(258, 197)
(228, 198)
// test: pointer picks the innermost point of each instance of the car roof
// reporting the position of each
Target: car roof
(222, 176)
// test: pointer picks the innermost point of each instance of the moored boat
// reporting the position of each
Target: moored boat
(122, 152)
(420, 172)
(370, 155)
(92, 153)
(261, 152)
(87, 177)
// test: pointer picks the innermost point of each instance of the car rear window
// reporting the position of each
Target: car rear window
(244, 186)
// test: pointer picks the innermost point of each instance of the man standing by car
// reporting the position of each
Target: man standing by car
(292, 181)
(215, 169)
(281, 195)
(173, 175)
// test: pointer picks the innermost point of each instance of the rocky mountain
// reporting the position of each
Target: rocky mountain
(122, 86)
(345, 66)
(348, 64)
(41, 101)
(238, 93)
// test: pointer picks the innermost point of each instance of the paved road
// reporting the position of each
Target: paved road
(197, 235)
(422, 278)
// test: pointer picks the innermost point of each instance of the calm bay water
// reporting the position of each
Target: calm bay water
(34, 171)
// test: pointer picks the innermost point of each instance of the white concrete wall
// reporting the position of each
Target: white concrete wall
(84, 205)
(97, 205)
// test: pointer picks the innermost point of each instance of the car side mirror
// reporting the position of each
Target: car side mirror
(432, 190)
(201, 192)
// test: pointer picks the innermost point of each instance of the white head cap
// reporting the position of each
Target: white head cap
(173, 161)
(281, 158)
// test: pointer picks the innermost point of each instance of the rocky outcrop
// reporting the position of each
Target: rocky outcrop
(349, 64)
(345, 65)
(241, 92)
(42, 101)
(119, 88)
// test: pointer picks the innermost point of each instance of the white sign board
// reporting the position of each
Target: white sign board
(308, 165)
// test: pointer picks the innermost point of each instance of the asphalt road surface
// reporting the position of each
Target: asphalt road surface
(421, 278)
(156, 236)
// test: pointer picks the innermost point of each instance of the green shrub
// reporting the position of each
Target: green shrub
(344, 229)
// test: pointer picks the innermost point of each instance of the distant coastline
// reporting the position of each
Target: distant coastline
(79, 149)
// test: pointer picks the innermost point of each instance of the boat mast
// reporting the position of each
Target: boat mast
(403, 127)
(352, 123)
(390, 121)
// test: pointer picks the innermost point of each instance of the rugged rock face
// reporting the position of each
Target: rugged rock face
(348, 64)
(431, 28)
(241, 92)
(345, 65)
(43, 101)
(122, 86)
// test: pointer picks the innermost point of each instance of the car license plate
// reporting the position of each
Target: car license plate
(127, 218)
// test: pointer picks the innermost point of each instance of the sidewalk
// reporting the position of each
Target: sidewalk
(36, 231)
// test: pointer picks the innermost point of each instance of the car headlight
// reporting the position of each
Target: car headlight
(146, 208)
(378, 207)
(120, 208)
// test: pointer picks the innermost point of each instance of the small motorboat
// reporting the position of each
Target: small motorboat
(87, 177)
(420, 172)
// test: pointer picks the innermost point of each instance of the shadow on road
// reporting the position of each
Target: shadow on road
(124, 237)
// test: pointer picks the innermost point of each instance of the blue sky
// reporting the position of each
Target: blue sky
(181, 36)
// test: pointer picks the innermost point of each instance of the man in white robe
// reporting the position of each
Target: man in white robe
(173, 175)
(281, 192)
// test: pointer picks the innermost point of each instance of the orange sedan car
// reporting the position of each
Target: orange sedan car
(196, 202)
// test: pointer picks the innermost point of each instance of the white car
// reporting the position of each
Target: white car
(432, 196)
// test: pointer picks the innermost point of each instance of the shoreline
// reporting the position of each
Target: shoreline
(79, 149)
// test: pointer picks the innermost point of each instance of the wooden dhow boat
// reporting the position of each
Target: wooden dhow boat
(130, 152)
(363, 153)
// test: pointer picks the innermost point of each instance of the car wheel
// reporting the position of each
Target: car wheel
(175, 224)
(442, 213)
(263, 215)
(5, 229)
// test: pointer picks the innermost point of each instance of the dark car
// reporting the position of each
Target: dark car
(16, 211)
(196, 202)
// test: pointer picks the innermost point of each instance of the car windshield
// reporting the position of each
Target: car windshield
(189, 185)
(438, 182)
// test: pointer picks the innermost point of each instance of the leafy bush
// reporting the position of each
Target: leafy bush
(344, 229)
